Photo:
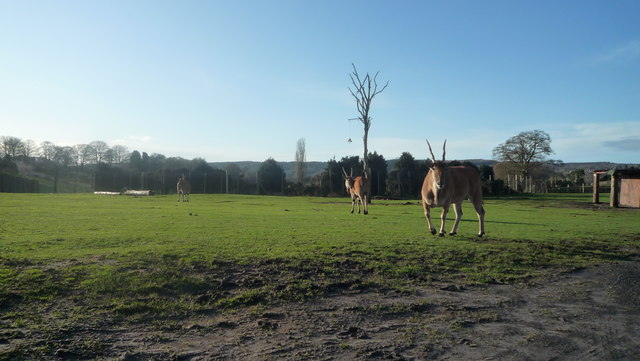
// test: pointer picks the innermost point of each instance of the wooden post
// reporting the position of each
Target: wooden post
(596, 188)
(614, 191)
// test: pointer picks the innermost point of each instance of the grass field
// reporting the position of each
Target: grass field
(154, 258)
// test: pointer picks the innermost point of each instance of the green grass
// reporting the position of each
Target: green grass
(154, 257)
(59, 227)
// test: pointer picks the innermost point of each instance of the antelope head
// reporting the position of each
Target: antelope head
(348, 179)
(439, 168)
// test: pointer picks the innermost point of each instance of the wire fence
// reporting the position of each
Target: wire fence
(13, 184)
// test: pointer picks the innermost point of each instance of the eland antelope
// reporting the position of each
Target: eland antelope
(359, 189)
(445, 185)
(183, 189)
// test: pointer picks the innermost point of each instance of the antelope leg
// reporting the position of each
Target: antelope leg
(443, 218)
(427, 215)
(457, 208)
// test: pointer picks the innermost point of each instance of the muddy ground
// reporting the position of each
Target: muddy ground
(589, 314)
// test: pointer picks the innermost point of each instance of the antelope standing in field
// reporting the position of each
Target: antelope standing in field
(445, 185)
(183, 189)
(359, 189)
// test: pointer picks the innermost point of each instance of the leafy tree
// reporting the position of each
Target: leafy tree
(351, 164)
(205, 178)
(136, 160)
(236, 176)
(525, 151)
(378, 166)
(577, 176)
(177, 162)
(271, 177)
(109, 156)
(157, 161)
(145, 161)
(406, 178)
(329, 182)
(486, 172)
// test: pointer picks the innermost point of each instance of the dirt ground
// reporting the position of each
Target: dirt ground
(590, 314)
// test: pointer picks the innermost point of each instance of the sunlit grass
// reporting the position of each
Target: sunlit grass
(154, 255)
(235, 227)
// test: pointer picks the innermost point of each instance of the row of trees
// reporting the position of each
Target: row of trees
(79, 155)
(92, 167)
(98, 166)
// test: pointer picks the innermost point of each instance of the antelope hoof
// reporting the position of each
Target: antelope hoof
(481, 234)
(366, 212)
(441, 234)
(433, 231)
(352, 212)
(453, 233)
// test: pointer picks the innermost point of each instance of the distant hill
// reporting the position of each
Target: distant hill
(591, 166)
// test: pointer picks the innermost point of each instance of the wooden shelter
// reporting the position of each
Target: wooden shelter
(625, 187)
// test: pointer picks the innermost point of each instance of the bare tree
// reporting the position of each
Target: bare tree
(99, 147)
(30, 148)
(47, 150)
(525, 152)
(301, 159)
(365, 90)
(83, 153)
(120, 152)
(12, 146)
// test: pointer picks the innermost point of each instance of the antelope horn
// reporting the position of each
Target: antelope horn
(344, 172)
(444, 151)
(433, 157)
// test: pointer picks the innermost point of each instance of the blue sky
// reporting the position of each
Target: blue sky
(244, 80)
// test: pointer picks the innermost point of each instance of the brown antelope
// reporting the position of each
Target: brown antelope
(183, 189)
(359, 189)
(445, 185)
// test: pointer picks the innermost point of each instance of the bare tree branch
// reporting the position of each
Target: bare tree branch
(365, 89)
